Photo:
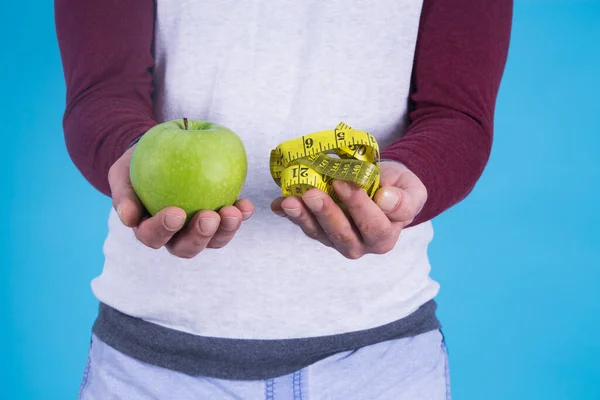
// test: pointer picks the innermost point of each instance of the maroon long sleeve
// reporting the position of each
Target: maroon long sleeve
(459, 62)
(106, 48)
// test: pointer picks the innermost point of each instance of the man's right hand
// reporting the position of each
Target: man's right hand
(207, 229)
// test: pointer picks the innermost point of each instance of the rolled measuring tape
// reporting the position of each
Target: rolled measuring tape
(316, 159)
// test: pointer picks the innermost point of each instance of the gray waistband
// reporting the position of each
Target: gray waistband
(240, 358)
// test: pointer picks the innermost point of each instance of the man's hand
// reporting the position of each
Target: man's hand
(207, 229)
(373, 225)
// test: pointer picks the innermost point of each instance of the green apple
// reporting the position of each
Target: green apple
(193, 165)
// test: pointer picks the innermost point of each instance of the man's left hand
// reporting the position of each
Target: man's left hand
(370, 225)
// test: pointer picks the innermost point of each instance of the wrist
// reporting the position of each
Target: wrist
(392, 161)
(134, 142)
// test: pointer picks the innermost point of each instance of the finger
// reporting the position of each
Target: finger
(297, 212)
(246, 207)
(334, 223)
(124, 200)
(276, 207)
(189, 242)
(399, 205)
(231, 220)
(374, 226)
(156, 231)
(402, 194)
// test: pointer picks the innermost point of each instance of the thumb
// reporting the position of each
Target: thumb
(400, 205)
(124, 200)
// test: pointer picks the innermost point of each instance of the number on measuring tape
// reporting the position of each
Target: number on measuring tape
(315, 160)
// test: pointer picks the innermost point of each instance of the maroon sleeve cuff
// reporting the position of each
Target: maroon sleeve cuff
(106, 50)
(459, 62)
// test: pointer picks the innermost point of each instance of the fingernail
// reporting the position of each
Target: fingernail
(388, 200)
(292, 212)
(230, 223)
(246, 215)
(120, 211)
(208, 225)
(342, 189)
(314, 203)
(174, 221)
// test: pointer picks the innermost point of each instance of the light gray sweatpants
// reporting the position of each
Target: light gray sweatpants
(413, 368)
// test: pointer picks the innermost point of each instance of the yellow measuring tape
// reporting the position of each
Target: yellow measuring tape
(315, 160)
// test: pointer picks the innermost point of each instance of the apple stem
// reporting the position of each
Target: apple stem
(185, 123)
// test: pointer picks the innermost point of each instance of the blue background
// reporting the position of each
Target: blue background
(518, 260)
